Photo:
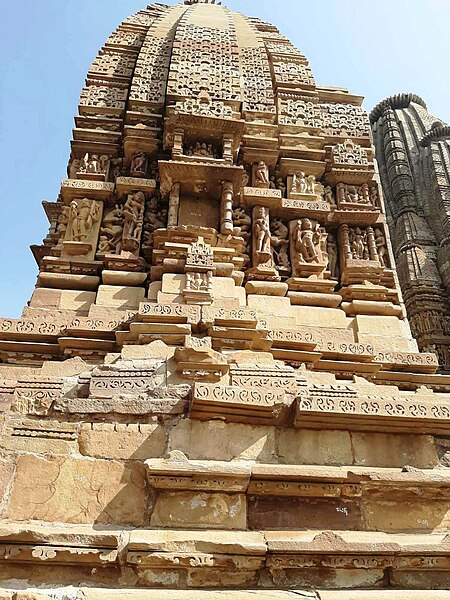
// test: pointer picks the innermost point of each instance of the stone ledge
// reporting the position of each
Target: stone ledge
(180, 473)
(241, 594)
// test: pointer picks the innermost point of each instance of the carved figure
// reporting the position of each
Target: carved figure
(310, 184)
(280, 242)
(138, 165)
(117, 168)
(332, 256)
(373, 195)
(329, 196)
(154, 218)
(63, 221)
(261, 175)
(133, 212)
(112, 230)
(280, 185)
(305, 241)
(202, 149)
(74, 168)
(94, 165)
(380, 242)
(358, 244)
(261, 236)
(82, 215)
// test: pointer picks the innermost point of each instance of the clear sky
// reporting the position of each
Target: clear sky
(373, 47)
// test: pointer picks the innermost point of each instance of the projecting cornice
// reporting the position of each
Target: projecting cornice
(438, 133)
(397, 101)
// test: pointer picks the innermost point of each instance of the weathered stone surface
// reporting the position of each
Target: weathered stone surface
(214, 440)
(199, 509)
(78, 491)
(122, 442)
(6, 476)
(394, 450)
(116, 296)
(302, 513)
(314, 447)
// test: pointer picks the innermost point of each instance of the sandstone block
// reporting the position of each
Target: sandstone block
(122, 297)
(215, 440)
(394, 450)
(45, 298)
(6, 476)
(379, 343)
(62, 299)
(266, 288)
(78, 491)
(173, 283)
(312, 316)
(73, 300)
(67, 368)
(212, 541)
(120, 441)
(131, 278)
(269, 305)
(153, 289)
(313, 447)
(304, 513)
(409, 513)
(381, 325)
(312, 299)
(200, 509)
(67, 281)
(163, 298)
(155, 350)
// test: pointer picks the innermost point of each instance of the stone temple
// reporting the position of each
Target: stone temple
(214, 393)
(413, 151)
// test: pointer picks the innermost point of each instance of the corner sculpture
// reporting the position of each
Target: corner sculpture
(214, 390)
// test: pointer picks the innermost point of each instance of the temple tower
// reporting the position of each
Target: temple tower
(413, 153)
(214, 391)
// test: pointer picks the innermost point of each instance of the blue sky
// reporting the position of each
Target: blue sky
(374, 48)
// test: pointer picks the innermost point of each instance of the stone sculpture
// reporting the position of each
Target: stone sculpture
(260, 175)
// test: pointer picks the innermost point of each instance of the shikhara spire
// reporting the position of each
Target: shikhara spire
(214, 390)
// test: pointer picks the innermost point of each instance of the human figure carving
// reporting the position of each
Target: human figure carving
(138, 165)
(132, 211)
(280, 185)
(302, 184)
(329, 196)
(63, 223)
(310, 184)
(305, 240)
(74, 168)
(332, 256)
(82, 215)
(358, 245)
(112, 230)
(261, 175)
(380, 242)
(261, 233)
(280, 242)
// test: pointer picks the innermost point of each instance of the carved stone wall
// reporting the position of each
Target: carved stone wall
(413, 152)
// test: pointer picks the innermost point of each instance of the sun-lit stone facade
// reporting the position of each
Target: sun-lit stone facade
(413, 152)
(214, 391)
